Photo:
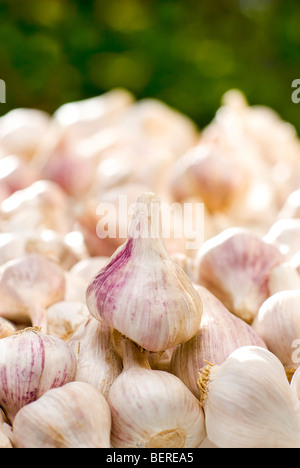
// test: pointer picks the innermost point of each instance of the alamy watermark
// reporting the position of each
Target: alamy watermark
(179, 221)
(2, 92)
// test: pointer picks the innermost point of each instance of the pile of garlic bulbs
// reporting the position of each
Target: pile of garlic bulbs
(134, 340)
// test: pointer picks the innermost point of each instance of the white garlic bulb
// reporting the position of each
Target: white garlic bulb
(284, 277)
(28, 286)
(65, 317)
(248, 402)
(278, 324)
(30, 364)
(97, 361)
(152, 409)
(142, 292)
(75, 415)
(235, 266)
(220, 333)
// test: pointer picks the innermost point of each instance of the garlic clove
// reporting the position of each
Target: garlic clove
(97, 361)
(219, 334)
(248, 402)
(88, 268)
(235, 266)
(30, 364)
(65, 317)
(278, 324)
(142, 292)
(152, 409)
(75, 415)
(28, 286)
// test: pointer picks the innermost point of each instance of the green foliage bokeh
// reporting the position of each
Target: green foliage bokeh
(184, 52)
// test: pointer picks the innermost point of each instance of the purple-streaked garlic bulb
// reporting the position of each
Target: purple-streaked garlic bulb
(97, 361)
(278, 324)
(142, 292)
(151, 408)
(75, 415)
(28, 286)
(31, 363)
(219, 334)
(235, 266)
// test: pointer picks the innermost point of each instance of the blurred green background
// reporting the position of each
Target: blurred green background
(186, 53)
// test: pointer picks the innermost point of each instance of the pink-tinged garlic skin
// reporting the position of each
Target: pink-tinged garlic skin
(31, 363)
(285, 234)
(235, 266)
(141, 292)
(28, 286)
(75, 415)
(152, 409)
(209, 173)
(97, 361)
(278, 324)
(219, 334)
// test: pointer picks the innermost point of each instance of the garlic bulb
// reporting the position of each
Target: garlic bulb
(219, 334)
(28, 286)
(30, 364)
(7, 328)
(295, 381)
(142, 292)
(97, 361)
(278, 324)
(284, 277)
(285, 234)
(248, 402)
(152, 409)
(4, 439)
(235, 266)
(75, 415)
(65, 317)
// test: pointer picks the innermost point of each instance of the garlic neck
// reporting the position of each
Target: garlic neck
(133, 356)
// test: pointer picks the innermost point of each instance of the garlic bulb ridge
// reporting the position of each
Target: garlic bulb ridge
(142, 292)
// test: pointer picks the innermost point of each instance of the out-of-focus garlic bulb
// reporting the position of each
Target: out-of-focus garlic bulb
(75, 415)
(209, 174)
(219, 334)
(30, 364)
(295, 382)
(65, 317)
(291, 206)
(142, 292)
(22, 130)
(28, 286)
(284, 277)
(7, 328)
(235, 266)
(97, 361)
(248, 402)
(152, 409)
(278, 324)
(43, 202)
(285, 234)
(87, 268)
(16, 173)
(4, 439)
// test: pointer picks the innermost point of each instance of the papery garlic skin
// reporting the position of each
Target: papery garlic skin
(248, 402)
(30, 364)
(152, 409)
(28, 286)
(75, 415)
(278, 324)
(65, 317)
(235, 266)
(219, 334)
(141, 292)
(97, 361)
(295, 382)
